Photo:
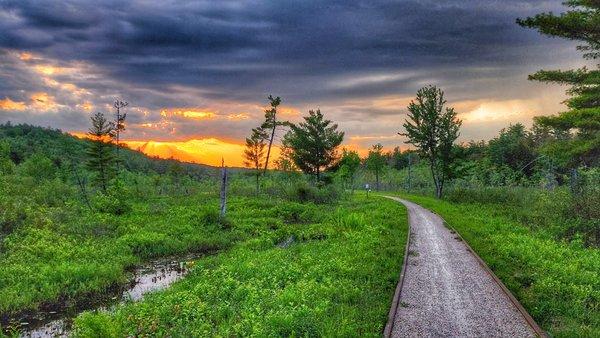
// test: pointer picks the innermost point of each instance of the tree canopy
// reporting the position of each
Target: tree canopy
(314, 143)
(433, 128)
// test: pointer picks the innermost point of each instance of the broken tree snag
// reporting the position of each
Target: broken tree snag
(223, 189)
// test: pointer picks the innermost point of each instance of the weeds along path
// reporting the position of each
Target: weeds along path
(448, 291)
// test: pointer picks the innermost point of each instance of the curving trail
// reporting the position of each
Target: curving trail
(445, 290)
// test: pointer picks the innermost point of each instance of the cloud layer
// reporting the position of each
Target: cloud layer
(201, 69)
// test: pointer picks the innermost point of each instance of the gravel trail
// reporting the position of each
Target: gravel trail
(446, 292)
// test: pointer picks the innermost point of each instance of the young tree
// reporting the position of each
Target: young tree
(580, 23)
(375, 162)
(271, 124)
(349, 164)
(432, 128)
(314, 143)
(254, 154)
(284, 162)
(100, 156)
(119, 126)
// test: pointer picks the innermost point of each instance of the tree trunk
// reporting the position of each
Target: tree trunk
(436, 181)
(257, 184)
(377, 180)
(223, 191)
(270, 144)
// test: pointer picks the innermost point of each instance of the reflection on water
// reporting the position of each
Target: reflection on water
(152, 276)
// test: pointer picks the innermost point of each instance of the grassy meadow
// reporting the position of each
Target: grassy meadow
(336, 278)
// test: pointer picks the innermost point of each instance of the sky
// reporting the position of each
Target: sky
(197, 74)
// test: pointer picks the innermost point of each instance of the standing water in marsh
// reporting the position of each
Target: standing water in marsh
(152, 276)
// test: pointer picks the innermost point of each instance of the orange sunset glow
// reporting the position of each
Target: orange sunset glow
(205, 151)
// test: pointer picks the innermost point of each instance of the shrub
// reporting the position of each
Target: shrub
(303, 192)
(114, 201)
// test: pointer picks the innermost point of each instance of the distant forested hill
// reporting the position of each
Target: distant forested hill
(26, 140)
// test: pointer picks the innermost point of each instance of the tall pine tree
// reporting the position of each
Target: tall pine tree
(100, 152)
(580, 23)
(314, 143)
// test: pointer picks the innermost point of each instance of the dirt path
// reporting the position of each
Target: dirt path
(446, 291)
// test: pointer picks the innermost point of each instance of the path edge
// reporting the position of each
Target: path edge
(532, 323)
(389, 326)
(536, 328)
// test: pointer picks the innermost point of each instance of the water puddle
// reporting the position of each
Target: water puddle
(152, 276)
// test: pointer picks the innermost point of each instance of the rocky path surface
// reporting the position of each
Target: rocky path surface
(446, 291)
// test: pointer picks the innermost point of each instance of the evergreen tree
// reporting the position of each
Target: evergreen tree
(314, 143)
(375, 162)
(433, 128)
(100, 152)
(580, 23)
(254, 154)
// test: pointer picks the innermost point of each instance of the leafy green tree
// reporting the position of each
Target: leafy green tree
(375, 162)
(314, 143)
(39, 167)
(100, 152)
(271, 124)
(433, 128)
(513, 148)
(581, 24)
(348, 166)
(7, 166)
(254, 154)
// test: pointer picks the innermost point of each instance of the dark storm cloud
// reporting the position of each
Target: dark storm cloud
(183, 43)
(309, 52)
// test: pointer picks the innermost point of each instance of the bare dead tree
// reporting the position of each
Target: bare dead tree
(119, 124)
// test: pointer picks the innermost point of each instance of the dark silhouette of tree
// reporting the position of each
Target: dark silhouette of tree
(254, 154)
(432, 128)
(271, 124)
(375, 162)
(100, 156)
(314, 143)
(580, 23)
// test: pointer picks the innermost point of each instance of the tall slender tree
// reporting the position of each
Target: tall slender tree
(254, 154)
(271, 124)
(119, 124)
(100, 155)
(433, 128)
(314, 143)
(375, 162)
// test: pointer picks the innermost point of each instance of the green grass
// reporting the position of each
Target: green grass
(557, 282)
(336, 279)
(64, 254)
